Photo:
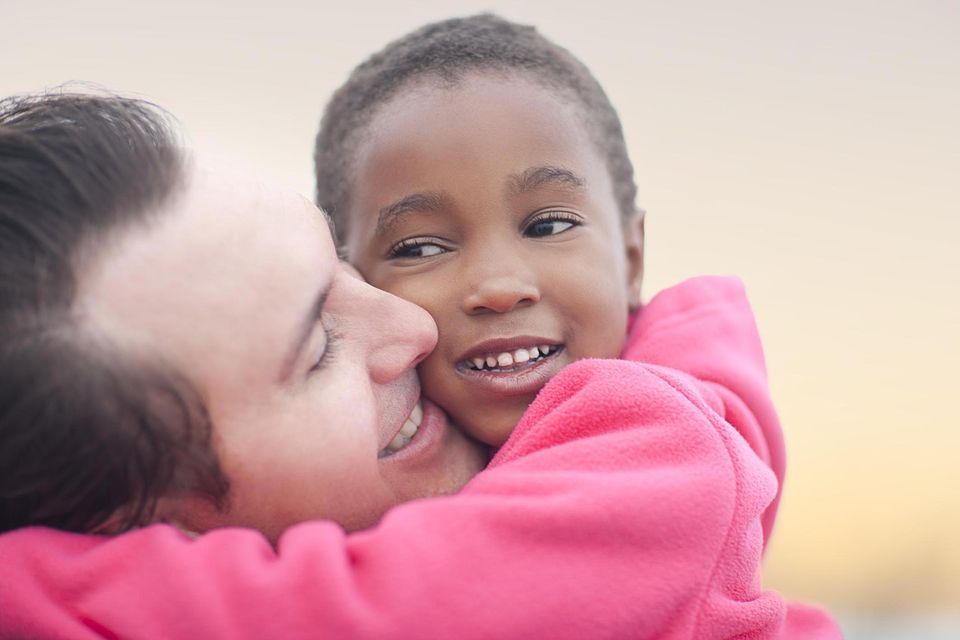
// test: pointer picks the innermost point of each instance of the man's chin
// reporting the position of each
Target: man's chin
(460, 458)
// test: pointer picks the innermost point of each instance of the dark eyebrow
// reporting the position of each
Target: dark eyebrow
(535, 177)
(331, 225)
(332, 228)
(423, 202)
(303, 333)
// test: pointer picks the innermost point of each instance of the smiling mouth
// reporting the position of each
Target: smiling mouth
(511, 361)
(409, 429)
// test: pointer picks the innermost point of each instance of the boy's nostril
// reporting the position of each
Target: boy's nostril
(501, 298)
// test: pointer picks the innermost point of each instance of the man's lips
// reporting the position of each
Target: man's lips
(426, 441)
(406, 433)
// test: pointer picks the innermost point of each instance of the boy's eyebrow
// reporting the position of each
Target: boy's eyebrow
(434, 201)
(303, 332)
(424, 202)
(535, 177)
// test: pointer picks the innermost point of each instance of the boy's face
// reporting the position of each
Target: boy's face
(488, 205)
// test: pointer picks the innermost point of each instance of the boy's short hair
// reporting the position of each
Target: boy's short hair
(90, 438)
(448, 50)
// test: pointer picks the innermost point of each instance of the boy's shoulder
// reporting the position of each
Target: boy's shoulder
(702, 295)
(700, 318)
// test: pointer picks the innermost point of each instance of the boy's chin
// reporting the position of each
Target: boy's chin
(492, 427)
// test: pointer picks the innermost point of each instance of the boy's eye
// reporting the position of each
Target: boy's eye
(551, 224)
(416, 248)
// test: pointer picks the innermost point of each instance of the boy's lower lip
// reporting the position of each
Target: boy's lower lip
(526, 380)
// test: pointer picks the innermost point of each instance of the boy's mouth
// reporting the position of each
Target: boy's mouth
(510, 361)
(505, 367)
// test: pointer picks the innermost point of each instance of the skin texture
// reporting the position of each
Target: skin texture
(487, 204)
(224, 287)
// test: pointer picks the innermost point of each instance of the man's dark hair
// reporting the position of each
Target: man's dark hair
(90, 438)
(447, 51)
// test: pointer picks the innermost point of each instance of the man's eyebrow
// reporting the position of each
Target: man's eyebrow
(422, 202)
(332, 228)
(328, 219)
(535, 177)
(303, 333)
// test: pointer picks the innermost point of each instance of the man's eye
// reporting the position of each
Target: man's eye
(551, 225)
(415, 248)
(329, 348)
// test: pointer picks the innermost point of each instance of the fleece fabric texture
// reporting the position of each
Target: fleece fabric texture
(625, 505)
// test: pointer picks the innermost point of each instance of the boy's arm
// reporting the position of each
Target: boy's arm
(705, 328)
(607, 515)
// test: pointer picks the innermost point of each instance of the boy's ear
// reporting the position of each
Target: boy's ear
(633, 248)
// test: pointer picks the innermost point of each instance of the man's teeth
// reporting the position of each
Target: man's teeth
(510, 358)
(406, 433)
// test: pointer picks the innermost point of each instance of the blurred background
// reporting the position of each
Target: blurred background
(811, 148)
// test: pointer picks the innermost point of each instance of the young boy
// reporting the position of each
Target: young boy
(479, 170)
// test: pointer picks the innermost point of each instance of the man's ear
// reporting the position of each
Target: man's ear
(180, 512)
(633, 248)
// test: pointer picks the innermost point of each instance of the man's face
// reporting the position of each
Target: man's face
(307, 371)
(488, 205)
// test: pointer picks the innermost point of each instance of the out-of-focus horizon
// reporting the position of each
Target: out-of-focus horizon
(811, 148)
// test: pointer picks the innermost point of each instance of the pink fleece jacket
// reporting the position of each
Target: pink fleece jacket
(624, 505)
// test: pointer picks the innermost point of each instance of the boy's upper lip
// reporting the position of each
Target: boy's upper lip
(497, 345)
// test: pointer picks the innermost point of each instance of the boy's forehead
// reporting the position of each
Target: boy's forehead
(507, 85)
(475, 112)
(428, 102)
(494, 102)
(485, 138)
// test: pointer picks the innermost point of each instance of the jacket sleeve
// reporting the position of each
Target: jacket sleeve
(606, 515)
(705, 328)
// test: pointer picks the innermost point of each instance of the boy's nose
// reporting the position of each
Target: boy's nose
(501, 294)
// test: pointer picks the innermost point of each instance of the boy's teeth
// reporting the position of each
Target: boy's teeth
(510, 358)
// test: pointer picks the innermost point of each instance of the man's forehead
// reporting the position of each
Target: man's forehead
(232, 198)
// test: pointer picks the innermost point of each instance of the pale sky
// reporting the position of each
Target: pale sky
(811, 148)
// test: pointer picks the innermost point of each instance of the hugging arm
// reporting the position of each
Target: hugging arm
(705, 328)
(607, 515)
